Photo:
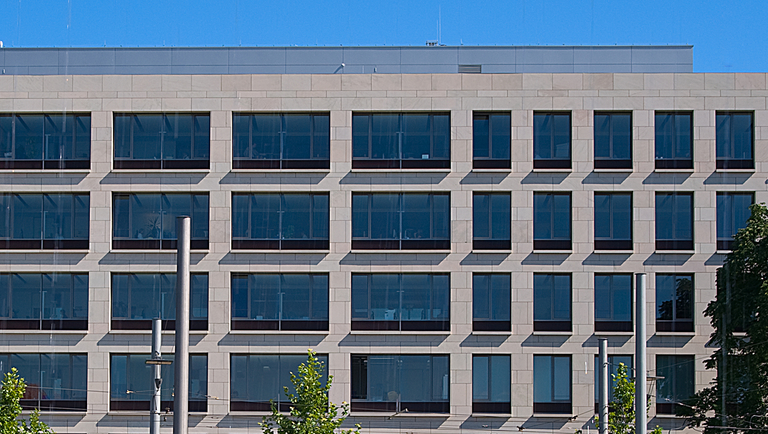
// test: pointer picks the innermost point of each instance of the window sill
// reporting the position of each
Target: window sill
(554, 170)
(57, 413)
(40, 171)
(614, 252)
(161, 170)
(609, 333)
(399, 332)
(157, 251)
(723, 252)
(276, 251)
(554, 333)
(616, 170)
(491, 170)
(490, 252)
(401, 414)
(674, 252)
(273, 171)
(407, 252)
(149, 332)
(673, 170)
(77, 251)
(552, 252)
(553, 415)
(491, 415)
(385, 170)
(278, 332)
(669, 416)
(675, 333)
(476, 333)
(44, 332)
(132, 413)
(735, 170)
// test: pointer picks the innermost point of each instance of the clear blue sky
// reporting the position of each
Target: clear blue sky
(728, 36)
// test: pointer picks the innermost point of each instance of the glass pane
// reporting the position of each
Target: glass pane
(198, 296)
(542, 379)
(742, 136)
(383, 385)
(145, 216)
(501, 129)
(321, 137)
(320, 216)
(480, 378)
(360, 297)
(481, 297)
(562, 136)
(202, 131)
(501, 218)
(602, 294)
(562, 378)
(241, 216)
(6, 137)
(297, 217)
(417, 216)
(416, 297)
(177, 140)
(384, 297)
(562, 297)
(30, 135)
(441, 137)
(296, 296)
(241, 136)
(148, 132)
(622, 297)
(57, 296)
(265, 216)
(415, 379)
(621, 209)
(684, 298)
(683, 218)
(665, 136)
(384, 137)
(683, 136)
(622, 136)
(266, 136)
(602, 216)
(480, 136)
(665, 289)
(562, 217)
(543, 208)
(416, 136)
(542, 136)
(265, 296)
(57, 213)
(543, 297)
(360, 136)
(500, 298)
(26, 291)
(665, 216)
(319, 306)
(724, 144)
(500, 379)
(27, 216)
(481, 216)
(5, 296)
(385, 216)
(298, 138)
(239, 297)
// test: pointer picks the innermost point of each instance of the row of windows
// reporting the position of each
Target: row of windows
(299, 302)
(396, 221)
(379, 140)
(386, 383)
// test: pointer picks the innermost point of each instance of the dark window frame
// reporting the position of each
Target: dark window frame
(725, 163)
(160, 163)
(400, 162)
(676, 162)
(611, 324)
(612, 242)
(397, 322)
(555, 406)
(35, 388)
(552, 162)
(613, 367)
(282, 242)
(612, 162)
(553, 324)
(490, 405)
(675, 324)
(674, 243)
(43, 242)
(663, 405)
(553, 243)
(45, 162)
(402, 242)
(491, 324)
(726, 242)
(314, 322)
(492, 241)
(44, 322)
(490, 162)
(282, 162)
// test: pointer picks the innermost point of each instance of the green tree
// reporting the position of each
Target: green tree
(311, 410)
(13, 388)
(738, 397)
(621, 412)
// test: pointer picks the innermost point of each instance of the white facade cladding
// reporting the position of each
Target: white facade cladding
(468, 287)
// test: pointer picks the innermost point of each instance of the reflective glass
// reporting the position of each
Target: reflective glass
(613, 297)
(732, 213)
(552, 297)
(613, 216)
(678, 378)
(674, 218)
(257, 378)
(673, 135)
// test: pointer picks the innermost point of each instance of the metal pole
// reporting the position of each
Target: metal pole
(154, 411)
(181, 371)
(641, 388)
(603, 398)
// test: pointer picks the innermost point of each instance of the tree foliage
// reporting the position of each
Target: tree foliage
(739, 316)
(312, 412)
(13, 388)
(621, 412)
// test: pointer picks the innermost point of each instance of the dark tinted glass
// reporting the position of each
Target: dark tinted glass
(151, 218)
(674, 140)
(551, 379)
(613, 216)
(55, 382)
(732, 214)
(735, 138)
(674, 221)
(139, 298)
(158, 140)
(62, 140)
(44, 221)
(551, 297)
(552, 217)
(491, 219)
(674, 302)
(44, 301)
(678, 380)
(552, 136)
(491, 378)
(390, 138)
(282, 136)
(491, 136)
(491, 295)
(613, 140)
(613, 297)
(613, 369)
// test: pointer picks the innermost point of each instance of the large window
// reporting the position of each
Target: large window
(552, 302)
(613, 369)
(491, 139)
(491, 221)
(162, 141)
(551, 140)
(131, 380)
(552, 384)
(55, 382)
(408, 302)
(148, 220)
(405, 221)
(280, 221)
(257, 380)
(613, 221)
(137, 299)
(44, 221)
(35, 301)
(674, 302)
(45, 141)
(732, 214)
(280, 302)
(396, 383)
(491, 383)
(674, 140)
(491, 298)
(613, 303)
(735, 140)
(674, 221)
(677, 380)
(552, 221)
(401, 140)
(613, 140)
(281, 141)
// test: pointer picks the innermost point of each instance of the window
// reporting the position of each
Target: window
(735, 140)
(35, 301)
(131, 380)
(491, 384)
(552, 302)
(674, 221)
(162, 141)
(676, 383)
(613, 369)
(551, 221)
(674, 140)
(491, 298)
(274, 221)
(732, 214)
(401, 221)
(613, 140)
(44, 221)
(401, 140)
(407, 302)
(280, 302)
(552, 384)
(491, 221)
(491, 140)
(392, 383)
(148, 220)
(613, 303)
(613, 221)
(55, 382)
(281, 141)
(551, 140)
(137, 299)
(45, 141)
(257, 380)
(674, 302)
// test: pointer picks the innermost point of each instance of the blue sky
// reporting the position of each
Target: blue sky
(727, 36)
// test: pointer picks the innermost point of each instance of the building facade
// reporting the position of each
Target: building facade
(451, 244)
